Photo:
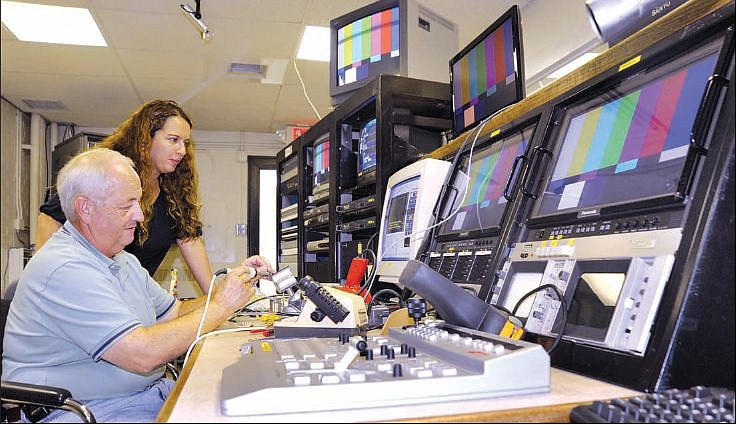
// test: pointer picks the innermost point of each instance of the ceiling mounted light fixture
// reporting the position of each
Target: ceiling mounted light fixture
(196, 16)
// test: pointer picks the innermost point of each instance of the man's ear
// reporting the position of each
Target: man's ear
(83, 205)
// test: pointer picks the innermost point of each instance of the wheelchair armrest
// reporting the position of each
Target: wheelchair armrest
(17, 392)
(41, 395)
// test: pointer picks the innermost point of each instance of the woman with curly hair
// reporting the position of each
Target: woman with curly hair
(157, 137)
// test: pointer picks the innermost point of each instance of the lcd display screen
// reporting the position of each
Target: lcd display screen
(593, 304)
(486, 76)
(399, 221)
(320, 162)
(368, 46)
(484, 204)
(628, 144)
(367, 147)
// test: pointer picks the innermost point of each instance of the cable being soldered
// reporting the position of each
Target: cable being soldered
(198, 337)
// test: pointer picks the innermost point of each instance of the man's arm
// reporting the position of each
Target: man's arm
(195, 255)
(146, 348)
(45, 227)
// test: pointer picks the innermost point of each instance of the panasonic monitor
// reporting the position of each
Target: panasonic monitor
(628, 145)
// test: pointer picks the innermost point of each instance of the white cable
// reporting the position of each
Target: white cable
(460, 204)
(294, 62)
(207, 305)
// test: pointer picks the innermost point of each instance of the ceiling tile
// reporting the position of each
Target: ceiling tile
(39, 58)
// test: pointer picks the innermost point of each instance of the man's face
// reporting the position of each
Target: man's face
(113, 219)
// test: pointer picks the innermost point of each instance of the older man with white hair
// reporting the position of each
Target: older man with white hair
(87, 317)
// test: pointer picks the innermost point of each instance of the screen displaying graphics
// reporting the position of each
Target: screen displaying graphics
(367, 147)
(368, 47)
(321, 162)
(487, 75)
(399, 220)
(628, 144)
(484, 203)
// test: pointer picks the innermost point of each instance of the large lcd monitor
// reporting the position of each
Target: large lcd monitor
(628, 144)
(488, 74)
(320, 164)
(388, 37)
(483, 206)
(367, 147)
(411, 195)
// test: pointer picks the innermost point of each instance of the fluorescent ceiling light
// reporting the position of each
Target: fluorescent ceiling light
(315, 44)
(570, 66)
(51, 24)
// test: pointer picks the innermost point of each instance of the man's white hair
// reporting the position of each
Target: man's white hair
(88, 174)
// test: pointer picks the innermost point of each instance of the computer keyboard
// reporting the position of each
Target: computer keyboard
(695, 405)
(433, 362)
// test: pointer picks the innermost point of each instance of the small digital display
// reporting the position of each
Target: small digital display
(487, 75)
(367, 147)
(320, 162)
(593, 304)
(484, 204)
(628, 144)
(368, 47)
(399, 221)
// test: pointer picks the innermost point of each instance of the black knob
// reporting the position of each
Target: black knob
(397, 370)
(369, 354)
(403, 348)
(317, 315)
(411, 352)
(390, 353)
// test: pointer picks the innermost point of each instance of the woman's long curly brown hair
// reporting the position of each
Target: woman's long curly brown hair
(133, 138)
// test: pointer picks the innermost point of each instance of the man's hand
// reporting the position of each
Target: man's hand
(260, 264)
(236, 289)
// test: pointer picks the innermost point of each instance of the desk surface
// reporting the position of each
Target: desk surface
(196, 396)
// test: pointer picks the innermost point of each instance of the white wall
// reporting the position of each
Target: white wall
(14, 184)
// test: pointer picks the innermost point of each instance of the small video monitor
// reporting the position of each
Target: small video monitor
(488, 74)
(321, 164)
(629, 144)
(367, 148)
(482, 188)
(411, 195)
(366, 46)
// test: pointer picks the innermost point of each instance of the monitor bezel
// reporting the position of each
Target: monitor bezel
(513, 13)
(623, 82)
(531, 122)
(341, 21)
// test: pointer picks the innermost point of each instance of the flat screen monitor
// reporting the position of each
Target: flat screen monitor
(484, 204)
(629, 144)
(411, 195)
(320, 164)
(367, 147)
(488, 74)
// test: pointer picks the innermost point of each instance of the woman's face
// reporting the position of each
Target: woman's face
(169, 145)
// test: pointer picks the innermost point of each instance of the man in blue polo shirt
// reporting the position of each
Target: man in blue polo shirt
(87, 317)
